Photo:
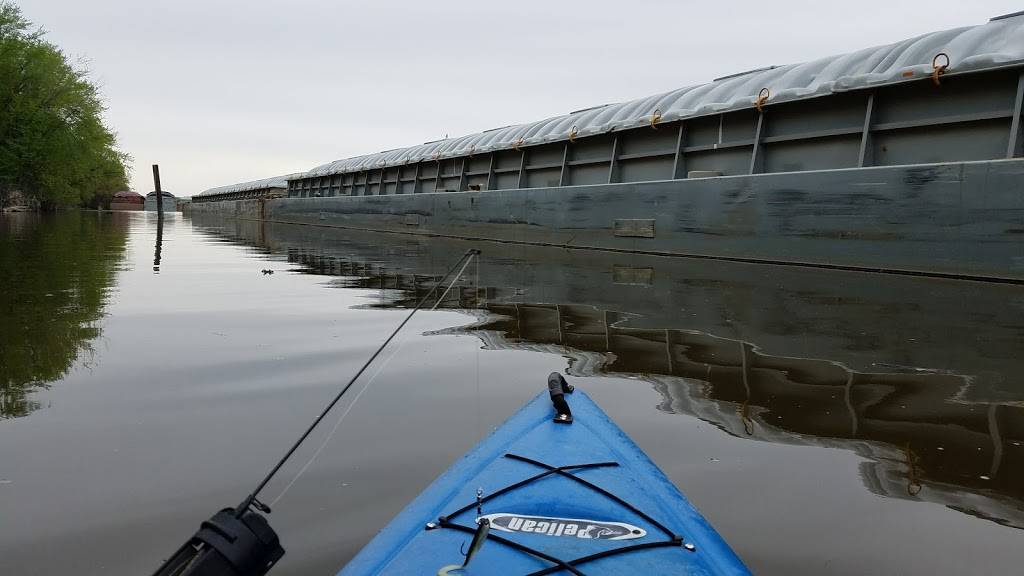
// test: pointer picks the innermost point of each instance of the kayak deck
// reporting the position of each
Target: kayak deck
(576, 498)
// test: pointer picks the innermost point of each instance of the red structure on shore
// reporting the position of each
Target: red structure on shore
(127, 200)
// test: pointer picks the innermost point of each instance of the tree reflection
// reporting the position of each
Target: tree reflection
(55, 275)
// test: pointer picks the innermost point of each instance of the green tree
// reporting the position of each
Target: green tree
(54, 145)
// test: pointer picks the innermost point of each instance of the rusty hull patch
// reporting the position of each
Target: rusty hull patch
(634, 227)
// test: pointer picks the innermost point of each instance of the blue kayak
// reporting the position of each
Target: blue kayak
(557, 489)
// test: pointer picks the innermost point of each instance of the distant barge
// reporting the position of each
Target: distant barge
(904, 158)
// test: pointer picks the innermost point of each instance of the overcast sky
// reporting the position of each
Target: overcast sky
(224, 91)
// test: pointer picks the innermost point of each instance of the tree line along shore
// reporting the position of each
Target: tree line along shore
(55, 149)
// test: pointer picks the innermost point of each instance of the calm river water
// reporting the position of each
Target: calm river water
(824, 422)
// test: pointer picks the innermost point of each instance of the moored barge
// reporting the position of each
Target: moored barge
(904, 158)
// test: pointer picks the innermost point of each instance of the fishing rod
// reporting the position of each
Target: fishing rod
(239, 541)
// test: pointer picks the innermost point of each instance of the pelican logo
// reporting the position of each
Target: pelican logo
(565, 527)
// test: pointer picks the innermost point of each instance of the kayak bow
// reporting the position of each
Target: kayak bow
(561, 491)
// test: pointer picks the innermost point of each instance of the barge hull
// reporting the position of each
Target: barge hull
(959, 219)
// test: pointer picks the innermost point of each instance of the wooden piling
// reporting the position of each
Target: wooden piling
(159, 193)
(159, 217)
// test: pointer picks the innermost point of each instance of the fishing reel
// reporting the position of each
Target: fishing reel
(228, 544)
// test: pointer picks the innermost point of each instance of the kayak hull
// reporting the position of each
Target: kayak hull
(577, 498)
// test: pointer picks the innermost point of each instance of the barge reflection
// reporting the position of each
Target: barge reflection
(917, 376)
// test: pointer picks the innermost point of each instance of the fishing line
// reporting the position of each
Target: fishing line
(334, 430)
(380, 368)
(445, 293)
(251, 500)
(476, 302)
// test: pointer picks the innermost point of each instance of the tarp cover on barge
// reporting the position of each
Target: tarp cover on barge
(996, 44)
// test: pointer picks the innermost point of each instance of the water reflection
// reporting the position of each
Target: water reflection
(918, 376)
(55, 273)
(159, 243)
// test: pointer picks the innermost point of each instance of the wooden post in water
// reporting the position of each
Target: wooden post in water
(159, 217)
(159, 193)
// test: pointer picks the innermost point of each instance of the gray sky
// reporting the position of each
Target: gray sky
(223, 91)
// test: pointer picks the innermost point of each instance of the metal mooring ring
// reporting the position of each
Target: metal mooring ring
(655, 118)
(762, 97)
(939, 69)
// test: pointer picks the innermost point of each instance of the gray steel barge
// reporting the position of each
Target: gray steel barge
(902, 158)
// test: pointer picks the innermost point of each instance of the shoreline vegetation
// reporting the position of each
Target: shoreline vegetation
(55, 149)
